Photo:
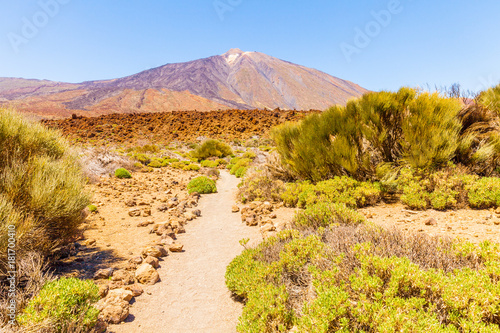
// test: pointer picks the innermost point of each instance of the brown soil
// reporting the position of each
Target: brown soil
(116, 234)
(468, 224)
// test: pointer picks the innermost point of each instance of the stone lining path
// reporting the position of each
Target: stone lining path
(192, 295)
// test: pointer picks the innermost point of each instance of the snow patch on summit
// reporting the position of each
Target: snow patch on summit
(231, 58)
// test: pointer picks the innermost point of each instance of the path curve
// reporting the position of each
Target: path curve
(192, 295)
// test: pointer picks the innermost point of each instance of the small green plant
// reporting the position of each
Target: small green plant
(122, 173)
(155, 164)
(92, 208)
(211, 148)
(202, 185)
(192, 167)
(65, 303)
(210, 164)
(484, 193)
(144, 159)
(177, 165)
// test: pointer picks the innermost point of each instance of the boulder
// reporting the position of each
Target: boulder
(146, 274)
(176, 247)
(103, 273)
(152, 261)
(122, 275)
(136, 212)
(122, 294)
(135, 289)
(103, 290)
(113, 309)
(154, 251)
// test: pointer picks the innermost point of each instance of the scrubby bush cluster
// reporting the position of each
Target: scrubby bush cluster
(417, 129)
(360, 278)
(344, 190)
(212, 148)
(259, 185)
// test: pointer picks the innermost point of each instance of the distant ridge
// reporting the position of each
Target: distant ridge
(234, 80)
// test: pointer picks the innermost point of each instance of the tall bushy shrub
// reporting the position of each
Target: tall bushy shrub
(430, 132)
(212, 148)
(41, 185)
(406, 127)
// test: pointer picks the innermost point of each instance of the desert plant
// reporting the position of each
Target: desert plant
(353, 278)
(211, 148)
(41, 186)
(122, 173)
(191, 167)
(324, 214)
(63, 303)
(406, 127)
(202, 185)
(259, 185)
(155, 164)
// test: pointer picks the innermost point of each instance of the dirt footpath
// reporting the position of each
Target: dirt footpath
(192, 295)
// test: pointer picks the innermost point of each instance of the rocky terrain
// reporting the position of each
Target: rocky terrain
(236, 79)
(164, 127)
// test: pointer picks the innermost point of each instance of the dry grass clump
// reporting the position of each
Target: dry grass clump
(32, 273)
(101, 161)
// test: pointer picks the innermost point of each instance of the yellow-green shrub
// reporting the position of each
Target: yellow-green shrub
(337, 190)
(211, 148)
(354, 278)
(64, 305)
(41, 185)
(202, 185)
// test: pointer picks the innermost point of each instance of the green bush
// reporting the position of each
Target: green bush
(202, 185)
(337, 190)
(419, 129)
(177, 165)
(92, 208)
(484, 193)
(210, 164)
(155, 164)
(324, 214)
(122, 173)
(41, 186)
(192, 167)
(259, 185)
(240, 166)
(66, 304)
(360, 278)
(211, 148)
(144, 159)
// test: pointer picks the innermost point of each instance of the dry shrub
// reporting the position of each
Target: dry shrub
(101, 161)
(260, 185)
(32, 274)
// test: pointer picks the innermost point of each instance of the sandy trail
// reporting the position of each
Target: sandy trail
(192, 295)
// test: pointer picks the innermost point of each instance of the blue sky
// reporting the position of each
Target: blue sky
(377, 44)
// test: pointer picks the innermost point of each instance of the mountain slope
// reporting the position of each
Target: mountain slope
(236, 79)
